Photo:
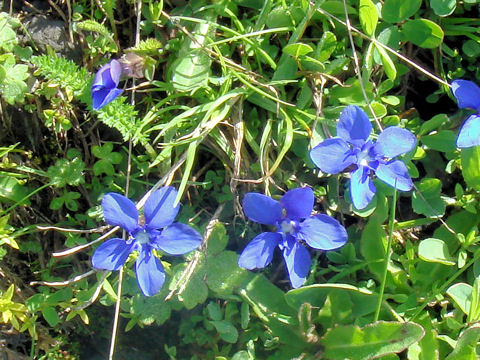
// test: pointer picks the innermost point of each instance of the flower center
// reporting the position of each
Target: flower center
(142, 237)
(288, 226)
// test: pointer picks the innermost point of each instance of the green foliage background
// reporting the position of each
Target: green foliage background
(234, 94)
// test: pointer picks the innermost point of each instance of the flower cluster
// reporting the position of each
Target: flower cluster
(158, 233)
(294, 225)
(467, 94)
(351, 147)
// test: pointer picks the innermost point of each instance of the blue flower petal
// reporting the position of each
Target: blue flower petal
(395, 173)
(322, 232)
(150, 274)
(115, 71)
(394, 141)
(298, 203)
(120, 211)
(261, 208)
(104, 96)
(467, 94)
(297, 260)
(332, 155)
(258, 253)
(362, 189)
(469, 134)
(178, 239)
(159, 210)
(354, 125)
(112, 254)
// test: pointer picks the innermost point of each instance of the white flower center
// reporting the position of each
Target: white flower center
(288, 227)
(142, 237)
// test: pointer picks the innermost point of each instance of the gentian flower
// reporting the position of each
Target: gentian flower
(352, 147)
(159, 232)
(104, 87)
(467, 94)
(295, 225)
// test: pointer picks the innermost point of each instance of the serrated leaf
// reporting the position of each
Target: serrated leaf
(147, 47)
(93, 26)
(224, 274)
(370, 342)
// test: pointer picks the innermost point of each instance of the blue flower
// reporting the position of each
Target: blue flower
(295, 225)
(467, 94)
(351, 147)
(159, 232)
(104, 87)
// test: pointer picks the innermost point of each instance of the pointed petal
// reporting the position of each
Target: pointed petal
(111, 255)
(258, 253)
(120, 211)
(298, 203)
(395, 173)
(354, 125)
(261, 208)
(104, 96)
(159, 210)
(103, 78)
(467, 94)
(178, 239)
(150, 274)
(362, 189)
(297, 260)
(394, 141)
(332, 155)
(469, 134)
(322, 232)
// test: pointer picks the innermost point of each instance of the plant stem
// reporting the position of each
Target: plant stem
(388, 255)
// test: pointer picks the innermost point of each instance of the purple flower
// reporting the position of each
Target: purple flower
(295, 225)
(351, 147)
(159, 232)
(104, 87)
(467, 94)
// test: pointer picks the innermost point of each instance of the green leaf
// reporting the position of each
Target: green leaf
(326, 46)
(426, 200)
(368, 16)
(444, 140)
(196, 292)
(297, 50)
(11, 189)
(67, 172)
(8, 37)
(226, 330)
(435, 250)
(218, 240)
(423, 33)
(461, 294)
(93, 26)
(13, 87)
(372, 341)
(191, 70)
(443, 7)
(394, 11)
(387, 63)
(50, 315)
(224, 274)
(470, 158)
(466, 344)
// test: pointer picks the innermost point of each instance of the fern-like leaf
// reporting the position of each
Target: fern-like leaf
(123, 117)
(65, 72)
(149, 46)
(93, 26)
